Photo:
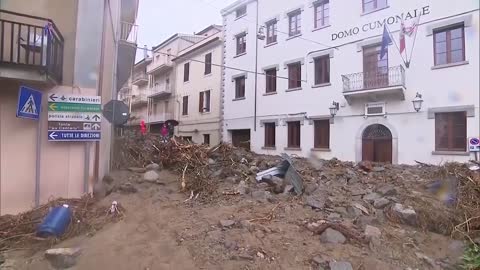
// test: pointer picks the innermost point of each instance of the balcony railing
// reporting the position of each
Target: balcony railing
(159, 117)
(139, 99)
(382, 78)
(128, 32)
(140, 77)
(160, 90)
(38, 46)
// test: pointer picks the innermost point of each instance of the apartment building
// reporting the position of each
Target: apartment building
(327, 87)
(197, 91)
(87, 42)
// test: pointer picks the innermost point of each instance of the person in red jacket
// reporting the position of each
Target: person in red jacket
(143, 128)
(164, 132)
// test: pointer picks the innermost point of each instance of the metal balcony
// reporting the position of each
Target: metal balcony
(159, 118)
(160, 64)
(160, 91)
(385, 82)
(31, 48)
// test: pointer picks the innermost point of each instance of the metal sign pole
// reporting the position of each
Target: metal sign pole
(86, 173)
(37, 162)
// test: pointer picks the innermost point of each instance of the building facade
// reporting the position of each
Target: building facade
(325, 86)
(88, 50)
(197, 91)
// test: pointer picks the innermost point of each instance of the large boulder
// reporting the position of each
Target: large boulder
(62, 258)
(340, 266)
(153, 167)
(406, 215)
(332, 236)
(151, 176)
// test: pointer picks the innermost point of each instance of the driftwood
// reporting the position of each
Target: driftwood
(348, 232)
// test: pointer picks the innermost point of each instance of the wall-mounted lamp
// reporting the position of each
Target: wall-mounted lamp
(417, 102)
(334, 108)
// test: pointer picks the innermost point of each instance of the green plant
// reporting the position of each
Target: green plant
(471, 258)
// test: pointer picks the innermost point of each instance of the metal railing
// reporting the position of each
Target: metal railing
(38, 46)
(159, 117)
(160, 89)
(128, 32)
(381, 78)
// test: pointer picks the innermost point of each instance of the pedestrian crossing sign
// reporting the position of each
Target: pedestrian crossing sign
(29, 103)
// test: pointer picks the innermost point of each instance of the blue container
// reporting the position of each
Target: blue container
(55, 223)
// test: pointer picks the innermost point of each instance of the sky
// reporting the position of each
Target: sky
(160, 19)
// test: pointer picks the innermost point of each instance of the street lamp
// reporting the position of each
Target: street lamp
(334, 108)
(417, 102)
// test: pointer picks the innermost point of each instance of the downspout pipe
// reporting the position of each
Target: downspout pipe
(256, 72)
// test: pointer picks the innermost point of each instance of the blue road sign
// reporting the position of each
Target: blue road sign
(66, 136)
(29, 103)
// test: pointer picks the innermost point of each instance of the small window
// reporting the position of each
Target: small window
(186, 72)
(294, 23)
(204, 102)
(322, 13)
(449, 45)
(372, 5)
(295, 75)
(271, 80)
(269, 134)
(451, 131)
(185, 106)
(187, 138)
(206, 139)
(239, 12)
(322, 69)
(271, 31)
(208, 63)
(240, 87)
(321, 134)
(241, 43)
(294, 134)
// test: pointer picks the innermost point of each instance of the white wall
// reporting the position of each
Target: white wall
(453, 86)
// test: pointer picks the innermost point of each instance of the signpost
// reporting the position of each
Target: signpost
(74, 118)
(474, 144)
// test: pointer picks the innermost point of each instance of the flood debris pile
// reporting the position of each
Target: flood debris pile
(443, 199)
(19, 231)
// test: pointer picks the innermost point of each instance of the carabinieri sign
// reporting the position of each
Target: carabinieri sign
(74, 118)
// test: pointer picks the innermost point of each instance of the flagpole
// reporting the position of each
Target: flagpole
(414, 39)
(394, 42)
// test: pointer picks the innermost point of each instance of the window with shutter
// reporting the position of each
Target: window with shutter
(240, 87)
(208, 63)
(200, 102)
(294, 75)
(269, 134)
(186, 72)
(449, 45)
(451, 131)
(322, 134)
(185, 106)
(294, 134)
(271, 80)
(322, 70)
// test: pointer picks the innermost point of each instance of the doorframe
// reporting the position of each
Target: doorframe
(359, 138)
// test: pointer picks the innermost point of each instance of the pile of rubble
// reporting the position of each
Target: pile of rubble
(442, 199)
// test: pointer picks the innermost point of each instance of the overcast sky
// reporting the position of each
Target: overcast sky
(160, 19)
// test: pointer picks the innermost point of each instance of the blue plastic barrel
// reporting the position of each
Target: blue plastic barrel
(55, 223)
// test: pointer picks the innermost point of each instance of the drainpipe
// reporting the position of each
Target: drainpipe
(256, 73)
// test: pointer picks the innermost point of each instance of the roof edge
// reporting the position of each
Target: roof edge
(229, 9)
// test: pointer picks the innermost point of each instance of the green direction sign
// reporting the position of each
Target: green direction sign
(73, 107)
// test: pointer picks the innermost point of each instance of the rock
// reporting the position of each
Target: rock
(332, 236)
(340, 266)
(387, 190)
(254, 169)
(288, 189)
(315, 202)
(372, 232)
(354, 212)
(232, 179)
(428, 260)
(310, 188)
(151, 176)
(373, 264)
(381, 203)
(211, 161)
(230, 244)
(363, 221)
(318, 260)
(378, 169)
(245, 224)
(227, 223)
(365, 165)
(406, 214)
(341, 210)
(137, 170)
(62, 257)
(127, 188)
(371, 197)
(152, 167)
(108, 179)
(217, 173)
(334, 216)
(242, 188)
(262, 195)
